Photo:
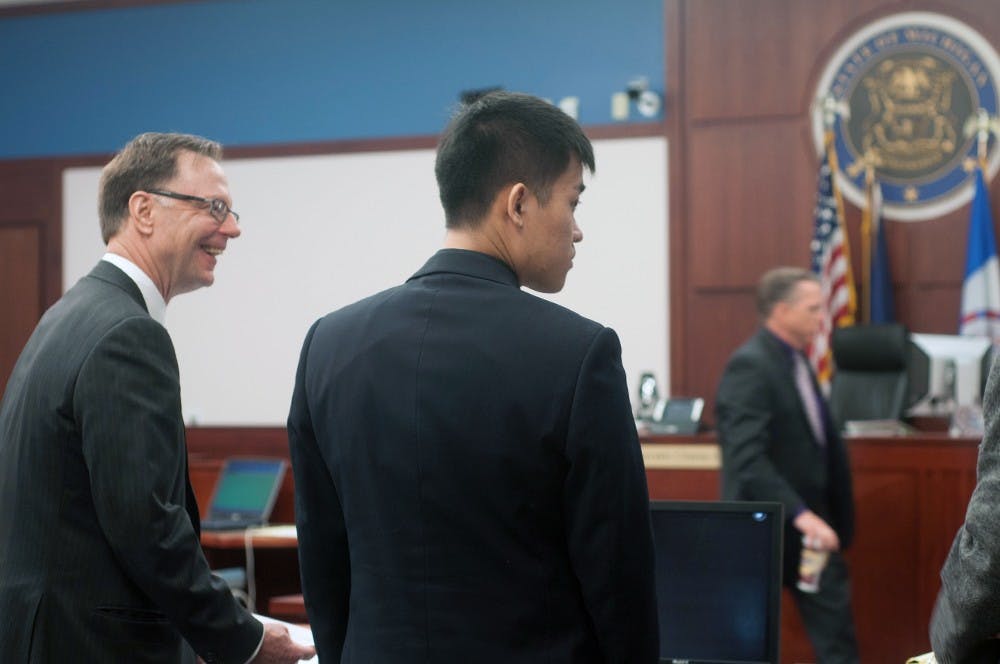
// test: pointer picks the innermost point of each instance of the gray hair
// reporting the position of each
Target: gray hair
(777, 285)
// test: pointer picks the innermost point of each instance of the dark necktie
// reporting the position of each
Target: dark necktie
(803, 381)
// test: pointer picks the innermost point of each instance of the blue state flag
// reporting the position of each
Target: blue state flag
(980, 314)
(882, 305)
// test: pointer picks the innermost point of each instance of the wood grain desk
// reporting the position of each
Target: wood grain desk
(277, 536)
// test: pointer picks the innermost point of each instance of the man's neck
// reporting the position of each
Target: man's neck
(480, 239)
(140, 258)
(777, 331)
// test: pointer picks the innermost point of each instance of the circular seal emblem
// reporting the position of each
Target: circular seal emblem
(910, 95)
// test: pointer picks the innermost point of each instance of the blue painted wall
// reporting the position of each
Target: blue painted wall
(255, 72)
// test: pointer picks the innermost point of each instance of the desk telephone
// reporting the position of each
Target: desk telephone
(667, 415)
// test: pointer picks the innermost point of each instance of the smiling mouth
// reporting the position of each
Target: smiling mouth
(214, 251)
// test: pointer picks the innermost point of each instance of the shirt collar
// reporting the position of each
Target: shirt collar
(784, 345)
(155, 304)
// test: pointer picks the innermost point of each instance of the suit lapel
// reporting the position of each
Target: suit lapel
(106, 272)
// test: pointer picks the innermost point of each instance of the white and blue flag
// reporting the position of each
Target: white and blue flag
(981, 290)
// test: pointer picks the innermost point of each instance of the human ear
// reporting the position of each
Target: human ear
(140, 209)
(515, 203)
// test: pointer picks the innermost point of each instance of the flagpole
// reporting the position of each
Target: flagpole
(866, 242)
(829, 247)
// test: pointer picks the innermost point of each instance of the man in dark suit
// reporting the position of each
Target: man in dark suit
(100, 559)
(469, 483)
(779, 444)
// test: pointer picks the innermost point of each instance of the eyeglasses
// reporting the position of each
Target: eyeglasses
(216, 206)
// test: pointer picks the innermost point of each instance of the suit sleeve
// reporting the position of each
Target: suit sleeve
(607, 507)
(323, 553)
(966, 616)
(127, 405)
(744, 419)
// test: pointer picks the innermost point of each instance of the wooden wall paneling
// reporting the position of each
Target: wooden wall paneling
(718, 321)
(32, 193)
(204, 474)
(748, 58)
(20, 291)
(751, 207)
(981, 15)
(937, 263)
(678, 259)
(223, 442)
(934, 309)
(30, 252)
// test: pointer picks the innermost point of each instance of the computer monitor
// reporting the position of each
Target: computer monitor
(947, 371)
(718, 581)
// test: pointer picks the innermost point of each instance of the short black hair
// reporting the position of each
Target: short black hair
(777, 285)
(500, 139)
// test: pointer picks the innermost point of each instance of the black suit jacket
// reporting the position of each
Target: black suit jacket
(469, 483)
(100, 559)
(769, 451)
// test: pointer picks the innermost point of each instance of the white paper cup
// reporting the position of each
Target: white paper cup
(811, 566)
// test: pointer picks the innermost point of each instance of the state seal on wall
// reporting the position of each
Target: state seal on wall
(906, 95)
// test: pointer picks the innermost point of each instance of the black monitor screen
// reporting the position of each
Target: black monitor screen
(718, 581)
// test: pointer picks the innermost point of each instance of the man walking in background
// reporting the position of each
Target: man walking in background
(779, 444)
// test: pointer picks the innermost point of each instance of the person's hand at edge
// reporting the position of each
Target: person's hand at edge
(278, 647)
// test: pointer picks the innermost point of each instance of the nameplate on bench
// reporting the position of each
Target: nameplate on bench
(673, 456)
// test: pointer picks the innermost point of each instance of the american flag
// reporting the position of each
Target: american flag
(831, 261)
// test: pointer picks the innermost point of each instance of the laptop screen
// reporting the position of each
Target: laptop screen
(718, 581)
(248, 488)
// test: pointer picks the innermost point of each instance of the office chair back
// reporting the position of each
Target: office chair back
(871, 376)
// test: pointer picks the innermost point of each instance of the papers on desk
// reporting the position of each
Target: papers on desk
(298, 633)
(283, 531)
(877, 428)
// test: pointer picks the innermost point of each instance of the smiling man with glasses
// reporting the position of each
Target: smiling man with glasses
(100, 558)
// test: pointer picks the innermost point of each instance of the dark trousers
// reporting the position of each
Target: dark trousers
(828, 617)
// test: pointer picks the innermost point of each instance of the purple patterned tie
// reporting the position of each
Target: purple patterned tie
(803, 381)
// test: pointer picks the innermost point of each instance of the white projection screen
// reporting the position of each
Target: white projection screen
(322, 231)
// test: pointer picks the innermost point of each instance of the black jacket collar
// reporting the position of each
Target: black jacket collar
(469, 263)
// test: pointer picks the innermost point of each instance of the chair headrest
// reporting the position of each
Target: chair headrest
(882, 347)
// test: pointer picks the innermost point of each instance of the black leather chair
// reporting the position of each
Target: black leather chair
(870, 380)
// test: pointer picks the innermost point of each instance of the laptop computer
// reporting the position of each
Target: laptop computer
(244, 493)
